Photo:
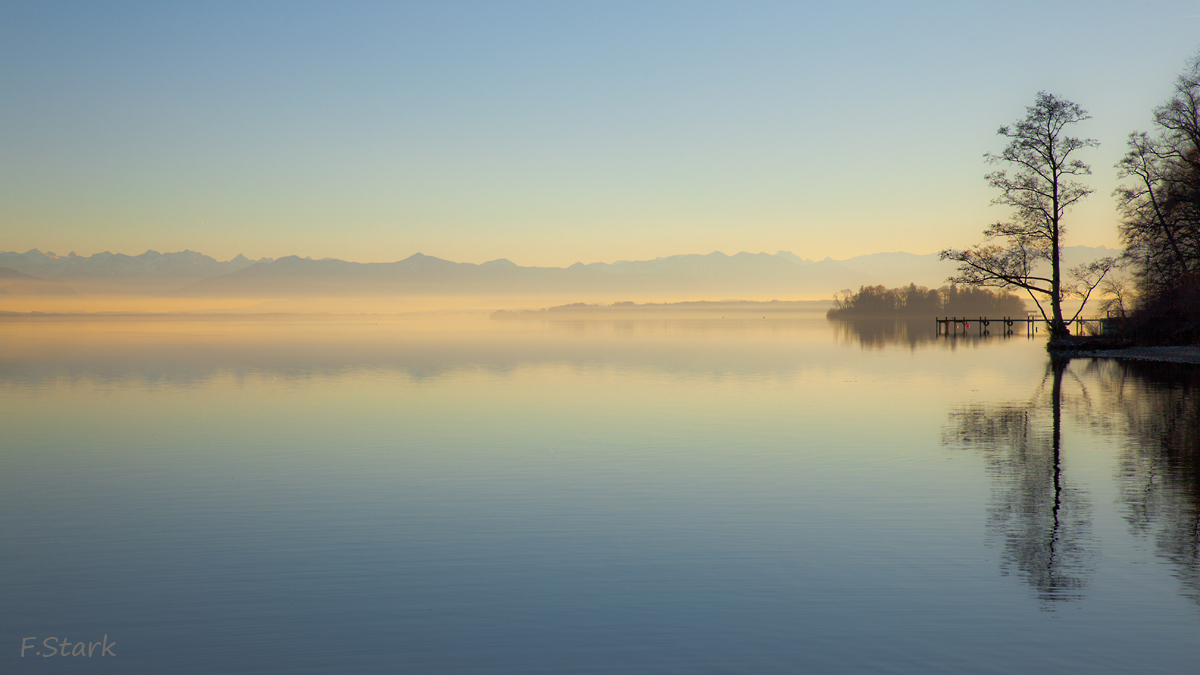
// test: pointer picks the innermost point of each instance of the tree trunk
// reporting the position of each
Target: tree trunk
(1058, 327)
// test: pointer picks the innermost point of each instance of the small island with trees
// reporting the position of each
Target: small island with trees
(913, 301)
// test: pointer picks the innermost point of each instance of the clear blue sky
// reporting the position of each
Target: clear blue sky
(550, 132)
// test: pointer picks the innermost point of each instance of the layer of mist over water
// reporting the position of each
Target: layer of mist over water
(685, 494)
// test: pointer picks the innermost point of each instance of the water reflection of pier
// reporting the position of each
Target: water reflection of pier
(911, 332)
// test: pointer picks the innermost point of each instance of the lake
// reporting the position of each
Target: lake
(456, 494)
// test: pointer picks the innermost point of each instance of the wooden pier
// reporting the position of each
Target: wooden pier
(982, 325)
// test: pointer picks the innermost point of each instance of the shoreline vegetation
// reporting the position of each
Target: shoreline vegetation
(1160, 220)
(913, 301)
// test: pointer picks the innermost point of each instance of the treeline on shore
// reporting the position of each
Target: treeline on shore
(1160, 224)
(915, 301)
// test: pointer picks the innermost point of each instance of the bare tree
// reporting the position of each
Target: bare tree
(1160, 203)
(1119, 294)
(1040, 191)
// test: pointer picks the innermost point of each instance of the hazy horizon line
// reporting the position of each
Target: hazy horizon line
(54, 256)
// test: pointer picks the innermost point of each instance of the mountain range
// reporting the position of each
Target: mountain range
(690, 276)
(184, 265)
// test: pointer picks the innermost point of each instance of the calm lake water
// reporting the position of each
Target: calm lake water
(463, 495)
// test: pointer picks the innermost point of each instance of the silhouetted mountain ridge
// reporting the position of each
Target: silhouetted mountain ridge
(685, 276)
(696, 275)
(186, 265)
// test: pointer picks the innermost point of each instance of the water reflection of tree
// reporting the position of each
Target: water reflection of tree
(878, 333)
(1042, 522)
(1159, 468)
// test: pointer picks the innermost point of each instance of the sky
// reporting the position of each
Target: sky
(550, 132)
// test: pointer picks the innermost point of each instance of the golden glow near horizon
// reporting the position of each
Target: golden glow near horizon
(546, 134)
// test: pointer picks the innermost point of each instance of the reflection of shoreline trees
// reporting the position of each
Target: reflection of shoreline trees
(1042, 522)
(1159, 468)
(878, 333)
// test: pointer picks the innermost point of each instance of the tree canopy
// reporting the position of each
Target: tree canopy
(1160, 203)
(1160, 209)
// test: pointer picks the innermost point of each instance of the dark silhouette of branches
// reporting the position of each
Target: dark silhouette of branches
(1040, 190)
(1160, 209)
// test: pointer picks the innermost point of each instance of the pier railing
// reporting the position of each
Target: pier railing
(982, 325)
